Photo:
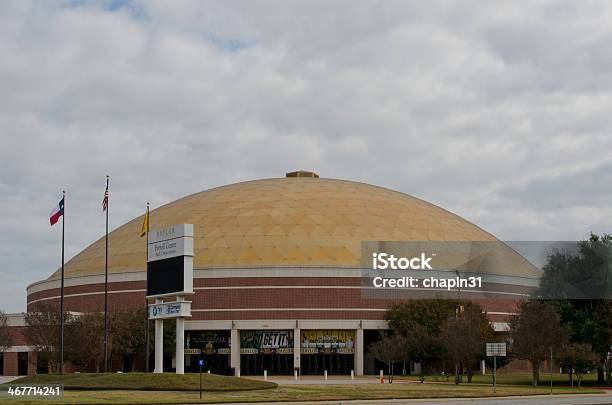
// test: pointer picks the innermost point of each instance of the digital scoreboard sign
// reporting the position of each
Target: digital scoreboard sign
(170, 261)
(165, 276)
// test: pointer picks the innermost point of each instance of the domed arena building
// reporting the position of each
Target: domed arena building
(278, 272)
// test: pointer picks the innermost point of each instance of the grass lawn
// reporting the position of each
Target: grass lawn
(146, 382)
(511, 378)
(301, 393)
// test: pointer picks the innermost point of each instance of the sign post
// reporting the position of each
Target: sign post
(201, 363)
(551, 365)
(170, 273)
(495, 349)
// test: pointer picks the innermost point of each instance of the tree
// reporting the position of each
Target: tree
(464, 337)
(5, 337)
(420, 322)
(580, 285)
(128, 334)
(578, 358)
(389, 349)
(88, 331)
(583, 275)
(43, 332)
(534, 331)
(430, 313)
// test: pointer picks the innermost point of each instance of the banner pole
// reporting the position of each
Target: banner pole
(147, 304)
(106, 285)
(61, 369)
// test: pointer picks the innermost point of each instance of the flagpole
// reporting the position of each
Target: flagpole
(62, 288)
(106, 285)
(146, 304)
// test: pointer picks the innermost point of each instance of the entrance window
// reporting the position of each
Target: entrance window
(212, 346)
(334, 363)
(273, 363)
(22, 363)
(266, 350)
(331, 350)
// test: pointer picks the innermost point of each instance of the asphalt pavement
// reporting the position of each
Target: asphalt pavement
(575, 399)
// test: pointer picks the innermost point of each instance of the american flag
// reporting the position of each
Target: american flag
(105, 199)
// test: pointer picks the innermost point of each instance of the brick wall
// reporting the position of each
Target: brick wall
(318, 295)
(17, 334)
(10, 363)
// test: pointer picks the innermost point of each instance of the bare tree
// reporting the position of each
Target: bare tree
(5, 337)
(43, 330)
(534, 331)
(389, 349)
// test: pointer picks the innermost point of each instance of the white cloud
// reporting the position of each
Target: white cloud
(499, 112)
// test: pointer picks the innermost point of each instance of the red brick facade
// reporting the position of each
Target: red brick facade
(261, 298)
(268, 298)
(11, 363)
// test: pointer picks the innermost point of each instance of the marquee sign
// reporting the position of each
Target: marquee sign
(171, 309)
(170, 261)
(170, 273)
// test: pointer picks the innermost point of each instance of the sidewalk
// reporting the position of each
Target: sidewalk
(319, 379)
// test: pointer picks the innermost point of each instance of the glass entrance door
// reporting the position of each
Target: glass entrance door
(274, 363)
(334, 363)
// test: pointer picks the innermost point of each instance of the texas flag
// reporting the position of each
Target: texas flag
(57, 212)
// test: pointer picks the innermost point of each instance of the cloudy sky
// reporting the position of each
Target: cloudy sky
(500, 112)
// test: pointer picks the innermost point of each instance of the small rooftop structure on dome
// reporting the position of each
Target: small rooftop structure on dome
(302, 173)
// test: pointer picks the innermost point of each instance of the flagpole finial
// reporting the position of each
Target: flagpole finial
(63, 192)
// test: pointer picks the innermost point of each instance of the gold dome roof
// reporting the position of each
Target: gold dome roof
(282, 222)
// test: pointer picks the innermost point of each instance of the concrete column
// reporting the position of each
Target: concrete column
(159, 343)
(296, 348)
(235, 351)
(359, 350)
(180, 345)
(483, 367)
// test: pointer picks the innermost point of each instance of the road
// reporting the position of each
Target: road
(576, 399)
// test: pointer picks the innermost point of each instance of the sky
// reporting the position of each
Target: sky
(500, 112)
